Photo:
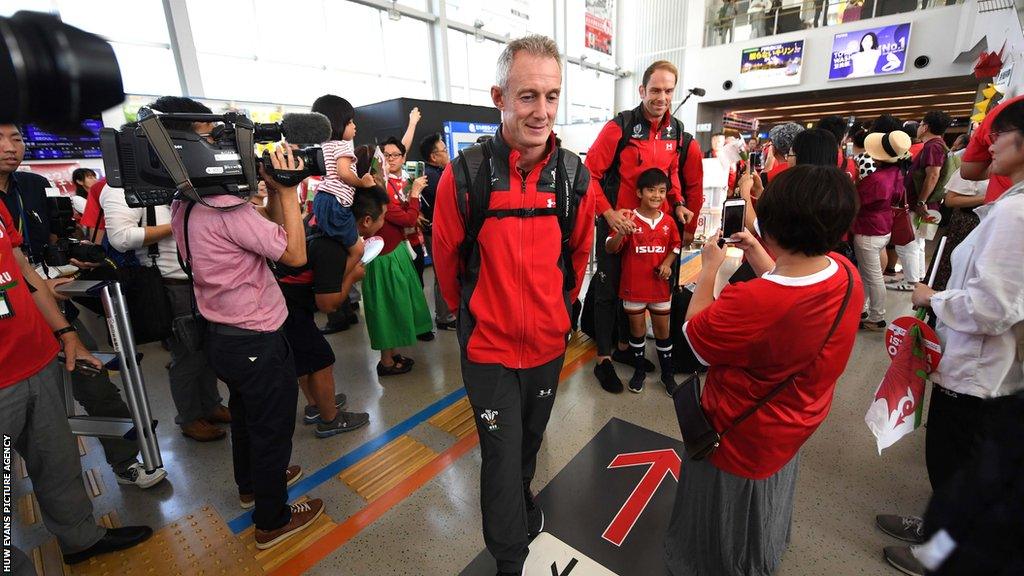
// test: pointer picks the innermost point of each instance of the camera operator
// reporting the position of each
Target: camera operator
(32, 407)
(226, 244)
(193, 382)
(24, 194)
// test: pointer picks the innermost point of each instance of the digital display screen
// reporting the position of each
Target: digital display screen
(40, 145)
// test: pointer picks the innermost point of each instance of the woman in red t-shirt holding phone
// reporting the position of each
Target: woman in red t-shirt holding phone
(733, 510)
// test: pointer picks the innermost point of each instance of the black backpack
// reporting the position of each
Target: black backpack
(474, 205)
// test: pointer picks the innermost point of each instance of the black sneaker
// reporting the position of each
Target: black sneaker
(344, 422)
(906, 528)
(534, 516)
(311, 415)
(670, 385)
(607, 377)
(863, 315)
(902, 559)
(451, 325)
(873, 326)
(425, 337)
(636, 383)
(626, 357)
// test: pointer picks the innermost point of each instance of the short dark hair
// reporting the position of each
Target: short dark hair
(937, 122)
(428, 143)
(1009, 118)
(394, 142)
(886, 123)
(807, 209)
(653, 177)
(660, 65)
(835, 124)
(369, 201)
(338, 111)
(81, 174)
(179, 104)
(815, 146)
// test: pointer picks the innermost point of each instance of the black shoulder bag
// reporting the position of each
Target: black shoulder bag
(700, 439)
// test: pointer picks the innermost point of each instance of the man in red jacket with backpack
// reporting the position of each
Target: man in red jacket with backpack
(513, 227)
(630, 144)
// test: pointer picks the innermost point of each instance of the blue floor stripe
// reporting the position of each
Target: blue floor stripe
(324, 474)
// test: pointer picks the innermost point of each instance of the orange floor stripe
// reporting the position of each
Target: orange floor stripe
(356, 523)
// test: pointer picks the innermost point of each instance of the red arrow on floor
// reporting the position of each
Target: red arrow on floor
(660, 464)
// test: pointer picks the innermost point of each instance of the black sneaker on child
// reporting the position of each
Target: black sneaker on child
(626, 357)
(343, 422)
(607, 377)
(311, 414)
(636, 382)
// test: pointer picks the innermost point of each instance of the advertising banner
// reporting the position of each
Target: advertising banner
(870, 52)
(771, 66)
(598, 26)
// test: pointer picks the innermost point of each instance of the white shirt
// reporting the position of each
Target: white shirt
(124, 232)
(981, 312)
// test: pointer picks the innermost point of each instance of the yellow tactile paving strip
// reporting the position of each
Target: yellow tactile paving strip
(48, 560)
(456, 419)
(270, 560)
(199, 543)
(82, 448)
(382, 470)
(94, 482)
(579, 344)
(29, 508)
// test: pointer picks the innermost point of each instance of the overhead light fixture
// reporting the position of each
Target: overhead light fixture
(393, 12)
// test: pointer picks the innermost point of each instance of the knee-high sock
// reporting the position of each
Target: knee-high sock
(638, 345)
(665, 356)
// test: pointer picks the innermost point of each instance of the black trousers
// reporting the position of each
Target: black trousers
(420, 262)
(610, 323)
(955, 425)
(260, 374)
(512, 409)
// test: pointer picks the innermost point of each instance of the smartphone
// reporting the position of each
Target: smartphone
(733, 213)
(414, 169)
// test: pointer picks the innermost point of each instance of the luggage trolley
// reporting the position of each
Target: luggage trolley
(140, 427)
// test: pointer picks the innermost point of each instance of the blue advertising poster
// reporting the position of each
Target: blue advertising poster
(771, 66)
(459, 135)
(870, 52)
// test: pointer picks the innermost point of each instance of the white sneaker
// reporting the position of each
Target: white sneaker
(137, 475)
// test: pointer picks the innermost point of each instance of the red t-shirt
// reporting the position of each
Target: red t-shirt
(779, 168)
(91, 215)
(756, 335)
(27, 343)
(642, 253)
(977, 151)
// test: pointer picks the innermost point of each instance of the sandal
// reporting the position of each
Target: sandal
(398, 358)
(393, 370)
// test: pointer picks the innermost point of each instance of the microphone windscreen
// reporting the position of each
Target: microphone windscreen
(306, 128)
(697, 91)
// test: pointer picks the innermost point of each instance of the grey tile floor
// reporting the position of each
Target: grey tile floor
(843, 482)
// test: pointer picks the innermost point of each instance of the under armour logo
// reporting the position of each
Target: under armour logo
(551, 203)
(545, 393)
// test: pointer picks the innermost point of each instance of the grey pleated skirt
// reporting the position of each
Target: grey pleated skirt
(725, 525)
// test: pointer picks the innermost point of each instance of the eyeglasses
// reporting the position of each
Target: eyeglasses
(389, 156)
(993, 136)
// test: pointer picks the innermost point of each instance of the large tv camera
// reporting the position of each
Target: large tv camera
(155, 164)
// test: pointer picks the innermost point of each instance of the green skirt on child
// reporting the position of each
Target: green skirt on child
(396, 310)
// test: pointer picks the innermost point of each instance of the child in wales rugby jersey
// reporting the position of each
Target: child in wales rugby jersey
(647, 257)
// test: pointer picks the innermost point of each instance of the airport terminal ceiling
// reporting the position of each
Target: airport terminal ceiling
(906, 100)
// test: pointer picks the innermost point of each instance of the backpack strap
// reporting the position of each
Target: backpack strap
(154, 248)
(611, 179)
(567, 204)
(474, 197)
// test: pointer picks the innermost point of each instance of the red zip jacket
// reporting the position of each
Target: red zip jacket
(516, 313)
(652, 146)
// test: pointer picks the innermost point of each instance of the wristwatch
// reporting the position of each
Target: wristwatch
(65, 330)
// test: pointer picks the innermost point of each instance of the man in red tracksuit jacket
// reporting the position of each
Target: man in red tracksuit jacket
(513, 291)
(653, 139)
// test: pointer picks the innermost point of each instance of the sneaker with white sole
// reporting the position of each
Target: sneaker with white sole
(534, 516)
(303, 516)
(879, 326)
(902, 558)
(311, 414)
(901, 286)
(136, 475)
(291, 475)
(343, 422)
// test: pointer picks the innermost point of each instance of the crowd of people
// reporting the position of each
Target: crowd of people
(509, 226)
